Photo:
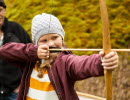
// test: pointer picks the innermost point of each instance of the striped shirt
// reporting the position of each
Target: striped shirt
(40, 88)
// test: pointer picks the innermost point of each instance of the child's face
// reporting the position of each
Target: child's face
(52, 40)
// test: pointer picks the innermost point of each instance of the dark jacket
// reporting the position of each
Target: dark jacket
(10, 76)
(64, 72)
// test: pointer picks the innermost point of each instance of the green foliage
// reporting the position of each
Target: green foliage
(80, 18)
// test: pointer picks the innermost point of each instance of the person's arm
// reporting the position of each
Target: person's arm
(19, 52)
(81, 67)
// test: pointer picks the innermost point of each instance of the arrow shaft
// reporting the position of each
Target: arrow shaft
(72, 49)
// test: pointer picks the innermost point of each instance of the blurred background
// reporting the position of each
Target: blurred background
(81, 20)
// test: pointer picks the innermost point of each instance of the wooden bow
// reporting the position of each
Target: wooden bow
(106, 47)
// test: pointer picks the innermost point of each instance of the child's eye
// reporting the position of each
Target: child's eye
(55, 37)
(44, 41)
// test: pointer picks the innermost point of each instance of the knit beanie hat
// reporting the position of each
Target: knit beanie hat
(2, 3)
(44, 24)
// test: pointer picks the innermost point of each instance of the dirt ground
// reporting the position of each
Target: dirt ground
(121, 81)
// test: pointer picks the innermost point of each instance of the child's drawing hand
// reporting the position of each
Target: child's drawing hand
(43, 52)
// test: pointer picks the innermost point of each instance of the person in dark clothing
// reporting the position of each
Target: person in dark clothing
(10, 76)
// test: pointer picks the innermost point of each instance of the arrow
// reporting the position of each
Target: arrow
(72, 49)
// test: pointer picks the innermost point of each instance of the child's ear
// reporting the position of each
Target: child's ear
(63, 43)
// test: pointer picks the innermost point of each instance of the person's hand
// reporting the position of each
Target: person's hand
(109, 61)
(43, 52)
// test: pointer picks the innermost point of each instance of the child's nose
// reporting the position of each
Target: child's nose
(50, 43)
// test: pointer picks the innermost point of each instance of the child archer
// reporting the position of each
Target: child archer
(51, 76)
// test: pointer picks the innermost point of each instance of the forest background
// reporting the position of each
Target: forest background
(81, 20)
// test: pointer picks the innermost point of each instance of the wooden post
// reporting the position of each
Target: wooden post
(106, 47)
